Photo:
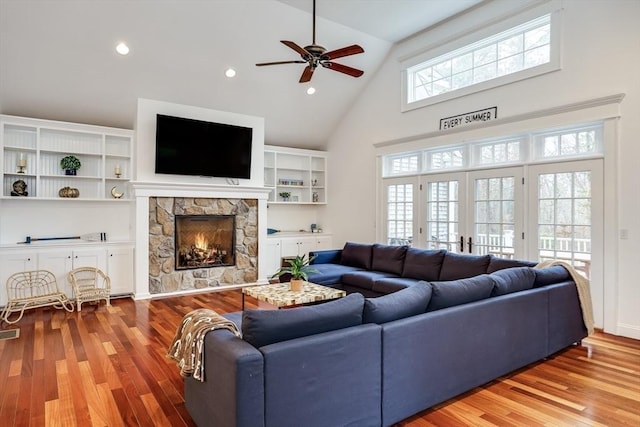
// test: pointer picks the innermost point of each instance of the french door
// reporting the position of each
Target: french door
(477, 212)
(567, 220)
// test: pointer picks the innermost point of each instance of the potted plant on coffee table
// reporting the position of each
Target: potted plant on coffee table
(299, 268)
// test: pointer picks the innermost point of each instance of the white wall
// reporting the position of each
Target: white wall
(600, 57)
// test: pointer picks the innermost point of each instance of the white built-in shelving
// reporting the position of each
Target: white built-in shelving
(300, 172)
(41, 144)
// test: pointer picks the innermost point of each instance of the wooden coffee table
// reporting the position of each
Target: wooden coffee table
(279, 295)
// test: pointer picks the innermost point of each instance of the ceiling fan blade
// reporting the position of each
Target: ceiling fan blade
(281, 62)
(295, 47)
(306, 74)
(354, 72)
(345, 51)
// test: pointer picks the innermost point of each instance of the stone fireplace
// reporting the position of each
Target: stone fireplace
(205, 241)
(230, 228)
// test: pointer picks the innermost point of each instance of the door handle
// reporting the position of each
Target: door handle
(461, 244)
(470, 243)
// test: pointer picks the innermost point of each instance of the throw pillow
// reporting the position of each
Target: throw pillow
(404, 303)
(456, 292)
(513, 279)
(423, 264)
(389, 259)
(357, 255)
(457, 266)
(264, 327)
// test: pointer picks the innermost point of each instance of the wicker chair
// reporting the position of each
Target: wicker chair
(89, 285)
(32, 289)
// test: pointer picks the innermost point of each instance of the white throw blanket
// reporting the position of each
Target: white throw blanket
(584, 291)
(187, 347)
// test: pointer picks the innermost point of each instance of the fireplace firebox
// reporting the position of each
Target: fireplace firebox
(204, 241)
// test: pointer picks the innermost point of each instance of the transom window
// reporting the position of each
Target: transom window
(581, 141)
(525, 50)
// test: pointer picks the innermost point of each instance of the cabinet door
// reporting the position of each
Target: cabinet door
(323, 243)
(305, 245)
(120, 270)
(273, 256)
(59, 262)
(14, 262)
(289, 247)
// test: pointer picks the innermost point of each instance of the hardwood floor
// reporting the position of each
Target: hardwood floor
(107, 367)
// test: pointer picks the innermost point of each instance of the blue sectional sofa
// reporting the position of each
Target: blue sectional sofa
(374, 361)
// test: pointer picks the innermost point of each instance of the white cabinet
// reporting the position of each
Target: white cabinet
(32, 150)
(291, 246)
(61, 261)
(298, 174)
(14, 262)
(120, 269)
(323, 243)
(115, 259)
(273, 257)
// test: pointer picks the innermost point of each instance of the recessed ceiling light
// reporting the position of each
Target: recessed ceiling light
(122, 48)
(230, 72)
(311, 90)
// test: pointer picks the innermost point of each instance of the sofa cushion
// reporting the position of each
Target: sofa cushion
(462, 291)
(357, 255)
(549, 275)
(407, 302)
(513, 279)
(264, 327)
(498, 263)
(329, 274)
(387, 258)
(457, 266)
(364, 279)
(423, 264)
(393, 284)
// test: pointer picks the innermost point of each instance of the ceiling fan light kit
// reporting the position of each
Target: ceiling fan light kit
(315, 55)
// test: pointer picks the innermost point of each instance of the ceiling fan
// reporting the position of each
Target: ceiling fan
(315, 55)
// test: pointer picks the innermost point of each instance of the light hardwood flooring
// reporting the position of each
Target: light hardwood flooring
(106, 366)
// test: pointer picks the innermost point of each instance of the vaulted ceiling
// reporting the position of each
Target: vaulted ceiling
(57, 57)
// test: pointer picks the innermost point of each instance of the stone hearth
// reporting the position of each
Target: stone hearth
(164, 278)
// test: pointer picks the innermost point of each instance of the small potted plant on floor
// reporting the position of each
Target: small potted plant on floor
(299, 268)
(70, 164)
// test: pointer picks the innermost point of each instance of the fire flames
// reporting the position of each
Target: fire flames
(201, 242)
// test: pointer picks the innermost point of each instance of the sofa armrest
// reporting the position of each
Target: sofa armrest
(329, 256)
(327, 379)
(233, 391)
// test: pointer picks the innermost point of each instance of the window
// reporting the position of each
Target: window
(495, 153)
(451, 158)
(400, 214)
(401, 164)
(520, 52)
(580, 142)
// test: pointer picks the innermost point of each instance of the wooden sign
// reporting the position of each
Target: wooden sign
(469, 118)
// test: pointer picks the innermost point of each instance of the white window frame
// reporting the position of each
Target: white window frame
(479, 35)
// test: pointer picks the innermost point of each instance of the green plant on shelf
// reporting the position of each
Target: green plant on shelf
(285, 195)
(70, 163)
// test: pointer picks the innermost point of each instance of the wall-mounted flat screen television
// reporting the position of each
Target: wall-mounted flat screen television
(194, 147)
